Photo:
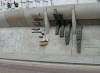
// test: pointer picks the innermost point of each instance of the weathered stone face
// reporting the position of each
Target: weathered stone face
(21, 43)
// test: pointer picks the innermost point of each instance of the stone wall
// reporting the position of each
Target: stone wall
(20, 43)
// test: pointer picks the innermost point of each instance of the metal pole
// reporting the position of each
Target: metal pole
(1, 4)
(77, 1)
(51, 2)
(21, 3)
(35, 3)
(27, 3)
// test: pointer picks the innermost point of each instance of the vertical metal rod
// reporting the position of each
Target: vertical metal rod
(77, 1)
(1, 4)
(35, 3)
(51, 2)
(21, 3)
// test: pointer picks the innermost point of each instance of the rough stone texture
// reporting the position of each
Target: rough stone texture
(91, 40)
(21, 43)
